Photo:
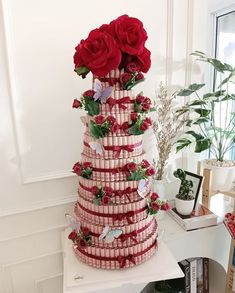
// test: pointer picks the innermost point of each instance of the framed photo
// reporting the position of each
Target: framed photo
(197, 182)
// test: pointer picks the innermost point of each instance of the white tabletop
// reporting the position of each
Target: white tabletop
(161, 266)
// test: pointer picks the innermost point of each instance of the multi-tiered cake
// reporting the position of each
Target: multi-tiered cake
(114, 226)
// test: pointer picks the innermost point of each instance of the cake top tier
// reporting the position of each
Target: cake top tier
(119, 44)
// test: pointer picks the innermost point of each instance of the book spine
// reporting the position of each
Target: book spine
(193, 276)
(185, 266)
(205, 275)
(200, 275)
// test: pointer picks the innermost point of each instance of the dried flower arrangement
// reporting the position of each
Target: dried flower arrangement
(167, 127)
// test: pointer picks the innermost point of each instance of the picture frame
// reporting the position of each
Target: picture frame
(197, 183)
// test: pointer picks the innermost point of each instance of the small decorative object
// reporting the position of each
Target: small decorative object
(166, 127)
(155, 204)
(210, 122)
(110, 234)
(184, 201)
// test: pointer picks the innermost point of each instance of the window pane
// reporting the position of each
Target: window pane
(225, 51)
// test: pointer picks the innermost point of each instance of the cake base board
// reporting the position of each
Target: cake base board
(81, 278)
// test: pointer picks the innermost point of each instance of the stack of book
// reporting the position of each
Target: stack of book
(196, 271)
(201, 217)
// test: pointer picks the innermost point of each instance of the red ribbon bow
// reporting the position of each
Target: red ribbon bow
(132, 235)
(118, 149)
(125, 192)
(112, 102)
(127, 216)
(122, 260)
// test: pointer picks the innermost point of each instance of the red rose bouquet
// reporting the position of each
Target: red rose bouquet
(120, 44)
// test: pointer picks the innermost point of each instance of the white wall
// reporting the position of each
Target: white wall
(41, 135)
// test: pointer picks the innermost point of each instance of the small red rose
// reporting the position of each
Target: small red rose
(150, 171)
(155, 206)
(132, 166)
(228, 215)
(125, 77)
(148, 120)
(144, 126)
(95, 190)
(132, 67)
(108, 191)
(82, 244)
(85, 231)
(165, 206)
(154, 196)
(73, 235)
(99, 119)
(105, 200)
(134, 116)
(89, 93)
(111, 119)
(77, 104)
(145, 164)
(140, 99)
(139, 76)
(77, 168)
(87, 165)
(115, 127)
(145, 107)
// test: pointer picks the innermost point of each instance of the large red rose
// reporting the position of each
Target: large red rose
(129, 34)
(99, 53)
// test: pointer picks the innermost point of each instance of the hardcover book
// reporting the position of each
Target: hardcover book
(201, 217)
(193, 274)
(200, 275)
(184, 265)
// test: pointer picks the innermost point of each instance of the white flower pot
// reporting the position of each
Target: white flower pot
(223, 174)
(184, 207)
(165, 188)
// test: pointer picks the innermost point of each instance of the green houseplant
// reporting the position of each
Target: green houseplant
(184, 201)
(210, 124)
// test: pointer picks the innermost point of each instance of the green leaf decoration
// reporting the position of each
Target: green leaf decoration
(95, 130)
(202, 112)
(135, 129)
(97, 201)
(202, 145)
(83, 71)
(91, 106)
(86, 173)
(137, 107)
(136, 176)
(182, 143)
(191, 89)
(130, 85)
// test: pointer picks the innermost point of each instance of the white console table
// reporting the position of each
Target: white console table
(177, 244)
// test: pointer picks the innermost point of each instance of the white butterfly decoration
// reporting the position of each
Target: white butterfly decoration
(73, 223)
(143, 187)
(110, 235)
(101, 94)
(83, 119)
(97, 147)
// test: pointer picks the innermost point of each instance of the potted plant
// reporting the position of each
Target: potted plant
(184, 200)
(210, 123)
(166, 128)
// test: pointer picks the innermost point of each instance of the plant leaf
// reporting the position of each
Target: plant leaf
(135, 129)
(182, 143)
(202, 112)
(197, 136)
(191, 89)
(202, 145)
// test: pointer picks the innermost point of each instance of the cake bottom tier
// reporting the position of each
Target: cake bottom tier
(120, 258)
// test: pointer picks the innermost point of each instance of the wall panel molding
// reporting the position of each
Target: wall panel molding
(40, 205)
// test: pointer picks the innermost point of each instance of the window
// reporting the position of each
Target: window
(225, 51)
